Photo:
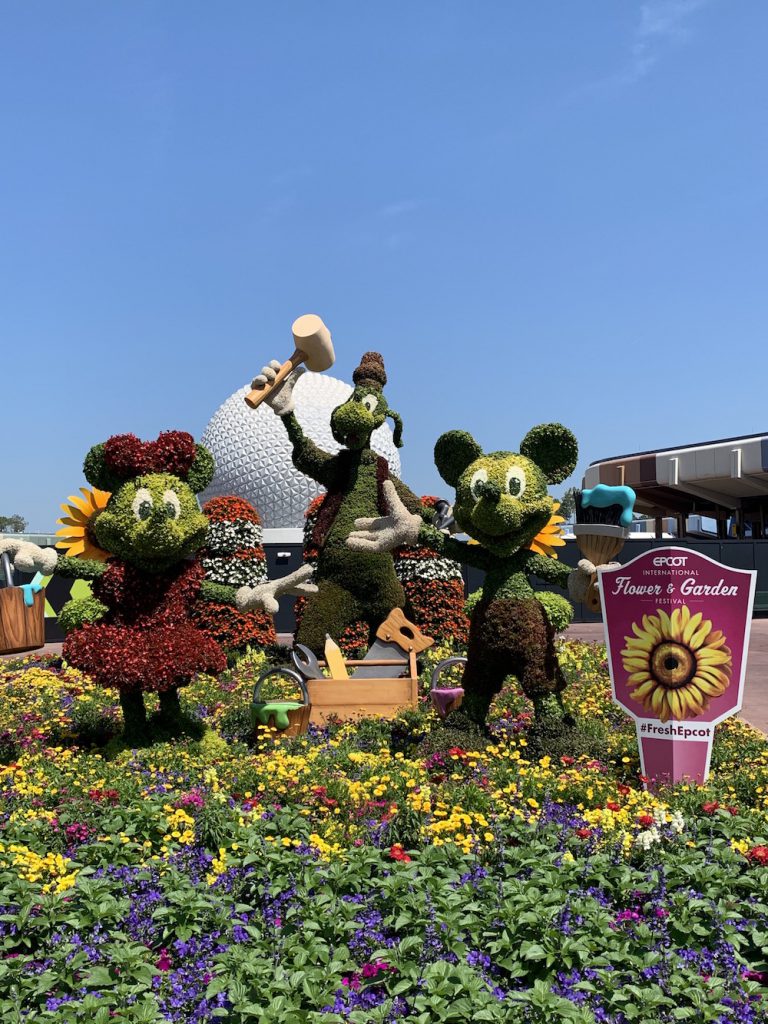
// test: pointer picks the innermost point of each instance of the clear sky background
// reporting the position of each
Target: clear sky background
(536, 211)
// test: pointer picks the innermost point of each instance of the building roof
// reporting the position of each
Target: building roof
(727, 474)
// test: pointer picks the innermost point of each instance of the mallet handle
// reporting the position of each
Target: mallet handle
(255, 397)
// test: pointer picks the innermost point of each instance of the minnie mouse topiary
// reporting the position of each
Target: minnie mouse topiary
(137, 633)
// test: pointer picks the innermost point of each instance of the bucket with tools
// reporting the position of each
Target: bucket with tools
(288, 717)
(22, 613)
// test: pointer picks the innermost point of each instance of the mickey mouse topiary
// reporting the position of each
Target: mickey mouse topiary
(502, 503)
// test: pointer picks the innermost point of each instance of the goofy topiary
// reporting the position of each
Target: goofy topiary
(352, 585)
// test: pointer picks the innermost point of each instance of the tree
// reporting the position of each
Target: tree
(568, 503)
(12, 524)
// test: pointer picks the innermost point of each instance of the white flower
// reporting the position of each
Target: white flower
(227, 536)
(440, 569)
(236, 572)
(647, 838)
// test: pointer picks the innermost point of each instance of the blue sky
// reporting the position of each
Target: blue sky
(536, 211)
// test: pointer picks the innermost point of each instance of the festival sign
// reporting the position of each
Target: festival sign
(677, 630)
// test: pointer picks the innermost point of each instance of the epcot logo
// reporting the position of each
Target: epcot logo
(673, 561)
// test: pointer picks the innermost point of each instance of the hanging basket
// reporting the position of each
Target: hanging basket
(445, 699)
(290, 718)
(22, 619)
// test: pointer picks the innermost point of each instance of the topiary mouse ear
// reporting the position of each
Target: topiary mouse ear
(97, 472)
(201, 471)
(553, 448)
(454, 451)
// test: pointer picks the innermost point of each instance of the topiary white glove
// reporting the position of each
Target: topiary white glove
(280, 400)
(387, 532)
(28, 557)
(265, 595)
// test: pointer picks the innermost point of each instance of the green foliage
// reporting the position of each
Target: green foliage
(80, 610)
(79, 568)
(221, 593)
(13, 524)
(558, 609)
(557, 737)
(152, 522)
(202, 469)
(568, 503)
(454, 452)
(96, 471)
(553, 448)
(471, 603)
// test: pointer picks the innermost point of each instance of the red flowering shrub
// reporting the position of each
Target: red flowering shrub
(234, 556)
(434, 590)
(172, 452)
(230, 508)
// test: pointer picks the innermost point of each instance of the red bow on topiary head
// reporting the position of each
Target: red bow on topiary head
(173, 452)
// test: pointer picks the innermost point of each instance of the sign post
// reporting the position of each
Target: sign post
(677, 631)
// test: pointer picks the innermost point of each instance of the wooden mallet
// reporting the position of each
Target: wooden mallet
(313, 347)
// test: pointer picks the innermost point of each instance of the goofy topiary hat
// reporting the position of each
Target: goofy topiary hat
(353, 422)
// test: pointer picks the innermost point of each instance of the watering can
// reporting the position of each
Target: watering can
(289, 717)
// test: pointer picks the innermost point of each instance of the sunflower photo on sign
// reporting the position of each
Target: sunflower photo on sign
(676, 663)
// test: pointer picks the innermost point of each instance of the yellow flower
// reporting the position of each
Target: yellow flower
(75, 534)
(676, 663)
(551, 536)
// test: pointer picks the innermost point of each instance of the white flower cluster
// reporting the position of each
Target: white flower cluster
(652, 835)
(228, 536)
(440, 569)
(237, 572)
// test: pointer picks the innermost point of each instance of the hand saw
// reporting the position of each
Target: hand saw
(395, 639)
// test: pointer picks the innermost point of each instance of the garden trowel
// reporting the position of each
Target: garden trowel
(388, 656)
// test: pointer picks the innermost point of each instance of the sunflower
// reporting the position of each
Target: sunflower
(76, 539)
(551, 536)
(676, 663)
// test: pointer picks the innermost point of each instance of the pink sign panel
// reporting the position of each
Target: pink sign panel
(677, 631)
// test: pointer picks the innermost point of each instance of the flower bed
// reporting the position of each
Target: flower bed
(364, 874)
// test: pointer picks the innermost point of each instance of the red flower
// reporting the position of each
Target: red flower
(758, 855)
(396, 852)
(710, 807)
(229, 509)
(613, 806)
(646, 820)
(163, 962)
(623, 789)
(566, 759)
(583, 833)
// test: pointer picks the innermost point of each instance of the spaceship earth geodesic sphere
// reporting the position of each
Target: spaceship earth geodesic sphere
(253, 454)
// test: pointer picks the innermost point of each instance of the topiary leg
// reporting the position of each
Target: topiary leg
(134, 716)
(170, 708)
(330, 610)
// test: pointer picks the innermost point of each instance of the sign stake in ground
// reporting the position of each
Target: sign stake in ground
(677, 629)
